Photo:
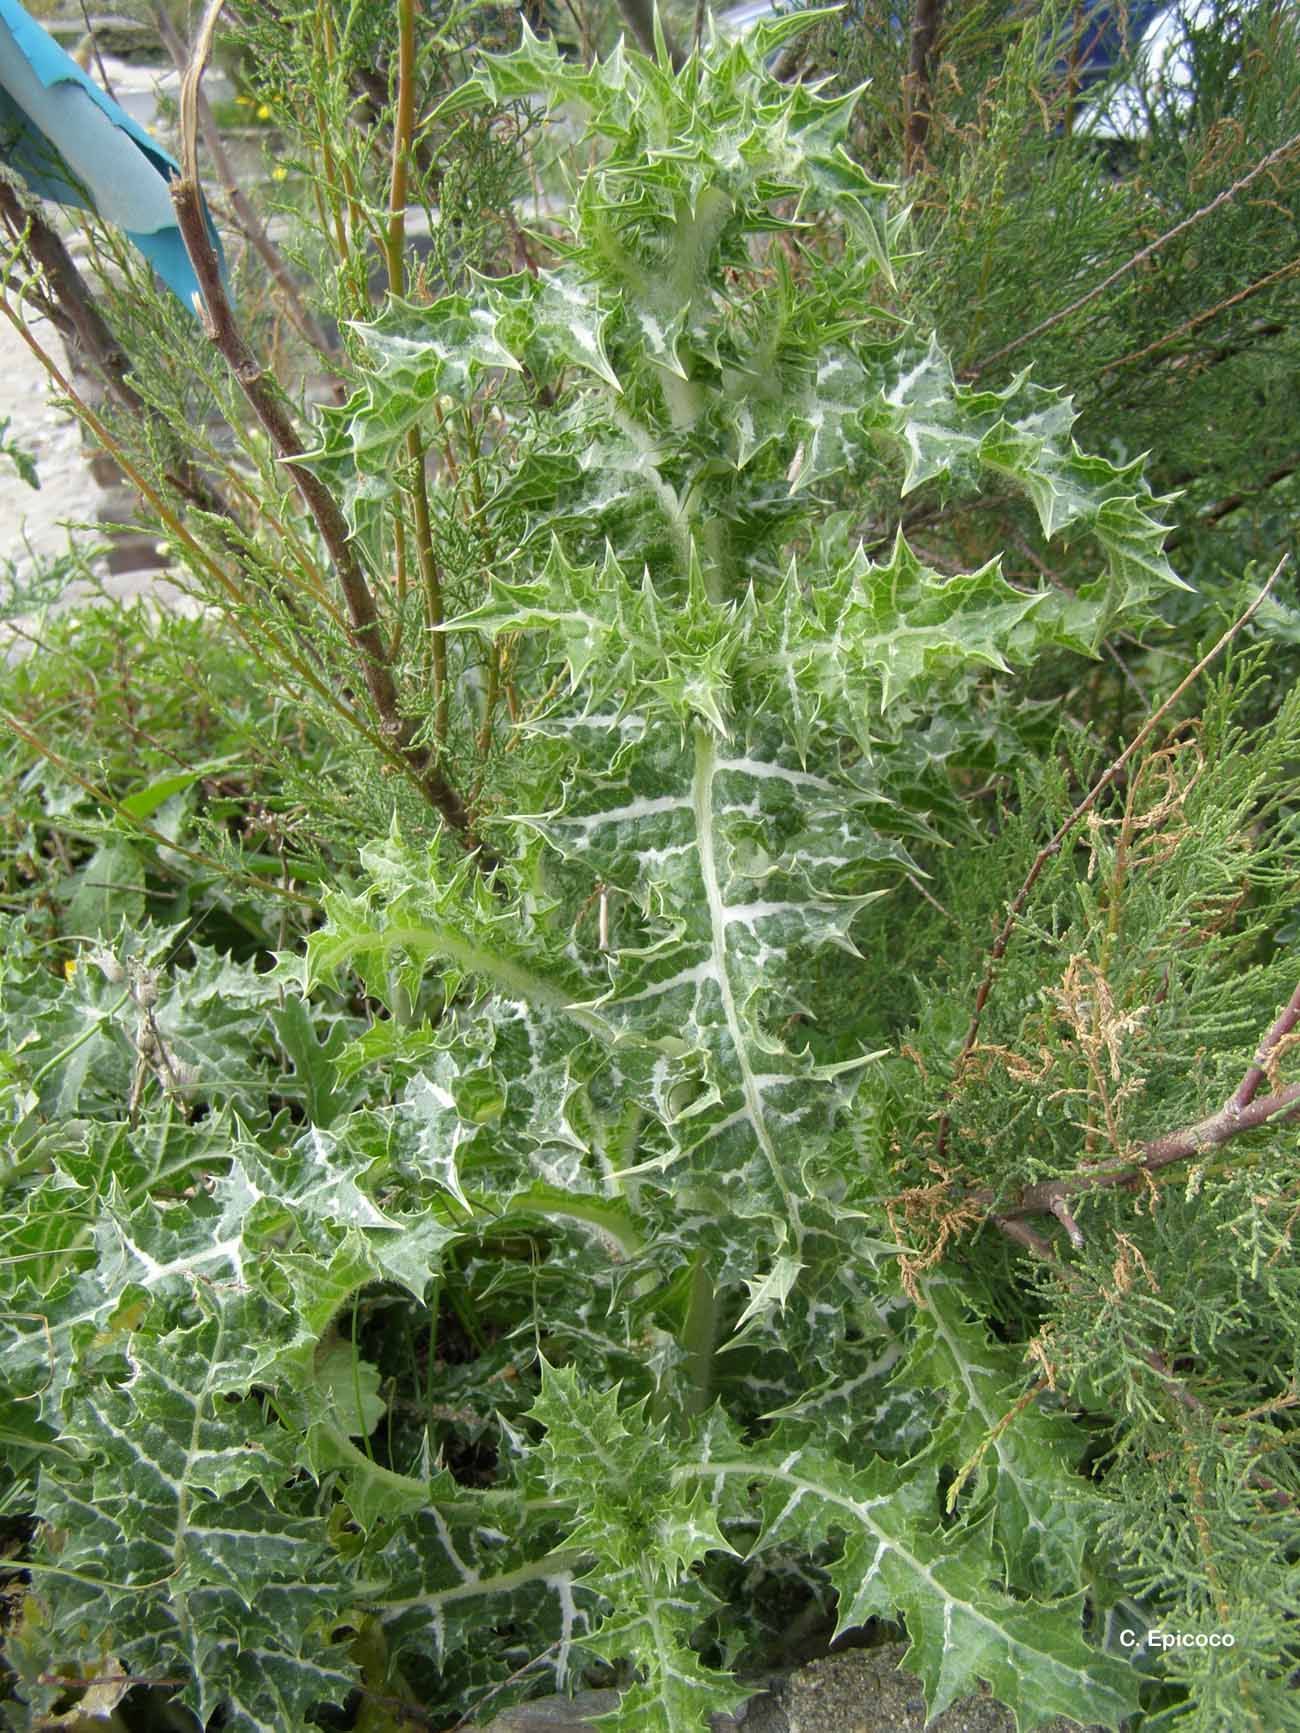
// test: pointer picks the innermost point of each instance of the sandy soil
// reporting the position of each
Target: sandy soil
(60, 518)
(32, 524)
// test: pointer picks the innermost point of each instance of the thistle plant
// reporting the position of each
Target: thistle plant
(727, 727)
(621, 1106)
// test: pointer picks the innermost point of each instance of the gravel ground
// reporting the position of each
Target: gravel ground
(861, 1691)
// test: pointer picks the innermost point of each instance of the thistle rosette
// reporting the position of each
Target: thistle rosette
(737, 694)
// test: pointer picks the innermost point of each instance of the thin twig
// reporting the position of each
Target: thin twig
(431, 579)
(1199, 319)
(104, 438)
(1045, 571)
(181, 535)
(472, 1715)
(1257, 1071)
(168, 844)
(930, 898)
(395, 257)
(1175, 1386)
(1052, 847)
(267, 404)
(1139, 258)
(184, 477)
(250, 224)
(93, 40)
(1234, 501)
(79, 1682)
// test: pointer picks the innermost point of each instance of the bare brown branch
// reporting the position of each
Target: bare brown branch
(1257, 1071)
(250, 224)
(1245, 1110)
(1051, 1197)
(917, 86)
(1021, 1234)
(268, 405)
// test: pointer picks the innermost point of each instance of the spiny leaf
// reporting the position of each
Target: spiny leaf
(1000, 1442)
(645, 1538)
(962, 1628)
(177, 1543)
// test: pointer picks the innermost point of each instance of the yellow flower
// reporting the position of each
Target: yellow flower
(69, 968)
(279, 174)
(243, 102)
(263, 112)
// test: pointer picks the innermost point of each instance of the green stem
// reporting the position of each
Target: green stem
(611, 1219)
(697, 232)
(431, 578)
(699, 1338)
(403, 127)
(511, 977)
(555, 1564)
(354, 1457)
(395, 247)
(330, 179)
(91, 1029)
